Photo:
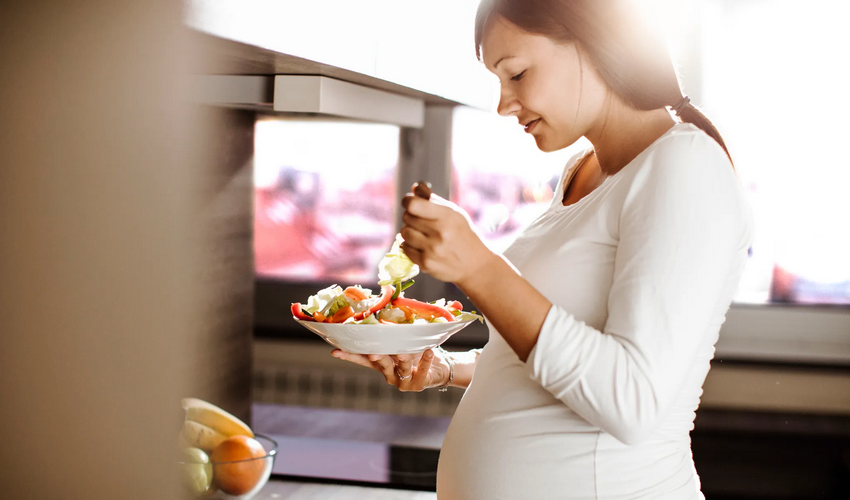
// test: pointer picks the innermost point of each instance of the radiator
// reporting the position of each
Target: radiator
(304, 374)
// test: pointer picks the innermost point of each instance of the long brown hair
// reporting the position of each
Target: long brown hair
(631, 59)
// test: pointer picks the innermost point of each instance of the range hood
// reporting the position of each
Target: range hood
(310, 95)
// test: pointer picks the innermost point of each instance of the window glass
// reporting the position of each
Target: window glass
(771, 74)
(499, 176)
(324, 199)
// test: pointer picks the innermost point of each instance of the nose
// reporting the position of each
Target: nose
(508, 103)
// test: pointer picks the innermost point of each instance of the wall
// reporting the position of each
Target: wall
(124, 249)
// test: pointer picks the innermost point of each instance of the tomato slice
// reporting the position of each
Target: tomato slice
(423, 309)
(296, 311)
(456, 305)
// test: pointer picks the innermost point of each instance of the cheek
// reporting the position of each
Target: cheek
(555, 99)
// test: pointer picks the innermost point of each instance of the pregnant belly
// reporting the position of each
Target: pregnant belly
(542, 452)
(547, 451)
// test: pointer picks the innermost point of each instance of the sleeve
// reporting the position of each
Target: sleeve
(683, 238)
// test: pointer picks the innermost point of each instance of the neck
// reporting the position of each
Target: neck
(622, 132)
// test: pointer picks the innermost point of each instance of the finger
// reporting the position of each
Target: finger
(357, 359)
(422, 208)
(424, 226)
(403, 368)
(412, 253)
(415, 238)
(406, 199)
(407, 357)
(420, 377)
(385, 365)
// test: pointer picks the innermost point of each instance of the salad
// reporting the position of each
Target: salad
(358, 305)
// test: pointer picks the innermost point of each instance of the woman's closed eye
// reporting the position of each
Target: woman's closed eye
(518, 76)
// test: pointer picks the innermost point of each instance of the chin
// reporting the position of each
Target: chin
(547, 144)
(544, 145)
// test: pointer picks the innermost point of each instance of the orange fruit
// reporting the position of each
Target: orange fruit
(242, 474)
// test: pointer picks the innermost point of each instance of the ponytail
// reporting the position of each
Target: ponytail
(690, 114)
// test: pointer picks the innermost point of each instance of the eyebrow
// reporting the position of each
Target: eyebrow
(502, 59)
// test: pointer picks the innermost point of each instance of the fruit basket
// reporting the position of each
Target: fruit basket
(221, 457)
(242, 478)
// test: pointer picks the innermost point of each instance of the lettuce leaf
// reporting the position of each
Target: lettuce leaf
(466, 316)
(325, 300)
(396, 267)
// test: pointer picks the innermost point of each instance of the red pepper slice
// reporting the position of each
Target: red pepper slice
(343, 314)
(296, 311)
(387, 292)
(355, 293)
(423, 309)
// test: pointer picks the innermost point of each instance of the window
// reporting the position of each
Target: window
(499, 176)
(771, 76)
(324, 199)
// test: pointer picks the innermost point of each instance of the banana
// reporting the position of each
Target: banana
(215, 418)
(201, 436)
(181, 442)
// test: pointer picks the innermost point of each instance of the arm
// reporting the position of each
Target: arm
(684, 234)
(682, 245)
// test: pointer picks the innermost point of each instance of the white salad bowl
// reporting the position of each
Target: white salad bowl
(384, 338)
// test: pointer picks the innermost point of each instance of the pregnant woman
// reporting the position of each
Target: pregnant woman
(604, 313)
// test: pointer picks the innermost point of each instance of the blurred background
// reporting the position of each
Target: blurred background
(174, 175)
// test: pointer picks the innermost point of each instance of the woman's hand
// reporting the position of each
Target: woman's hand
(438, 236)
(408, 372)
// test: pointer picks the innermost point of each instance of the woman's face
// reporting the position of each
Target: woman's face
(551, 87)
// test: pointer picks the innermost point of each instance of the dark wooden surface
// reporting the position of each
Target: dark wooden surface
(770, 423)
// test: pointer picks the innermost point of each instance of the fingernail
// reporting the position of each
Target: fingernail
(429, 354)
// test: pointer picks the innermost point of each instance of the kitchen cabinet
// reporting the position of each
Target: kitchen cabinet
(424, 46)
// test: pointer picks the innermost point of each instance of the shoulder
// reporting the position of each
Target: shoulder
(686, 144)
(684, 156)
(687, 172)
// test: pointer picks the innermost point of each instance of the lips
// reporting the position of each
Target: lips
(530, 125)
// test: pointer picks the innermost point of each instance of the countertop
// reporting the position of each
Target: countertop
(349, 454)
(294, 490)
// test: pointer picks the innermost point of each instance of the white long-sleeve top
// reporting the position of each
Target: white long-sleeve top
(640, 273)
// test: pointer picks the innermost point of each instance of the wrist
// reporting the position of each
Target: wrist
(450, 375)
(486, 262)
